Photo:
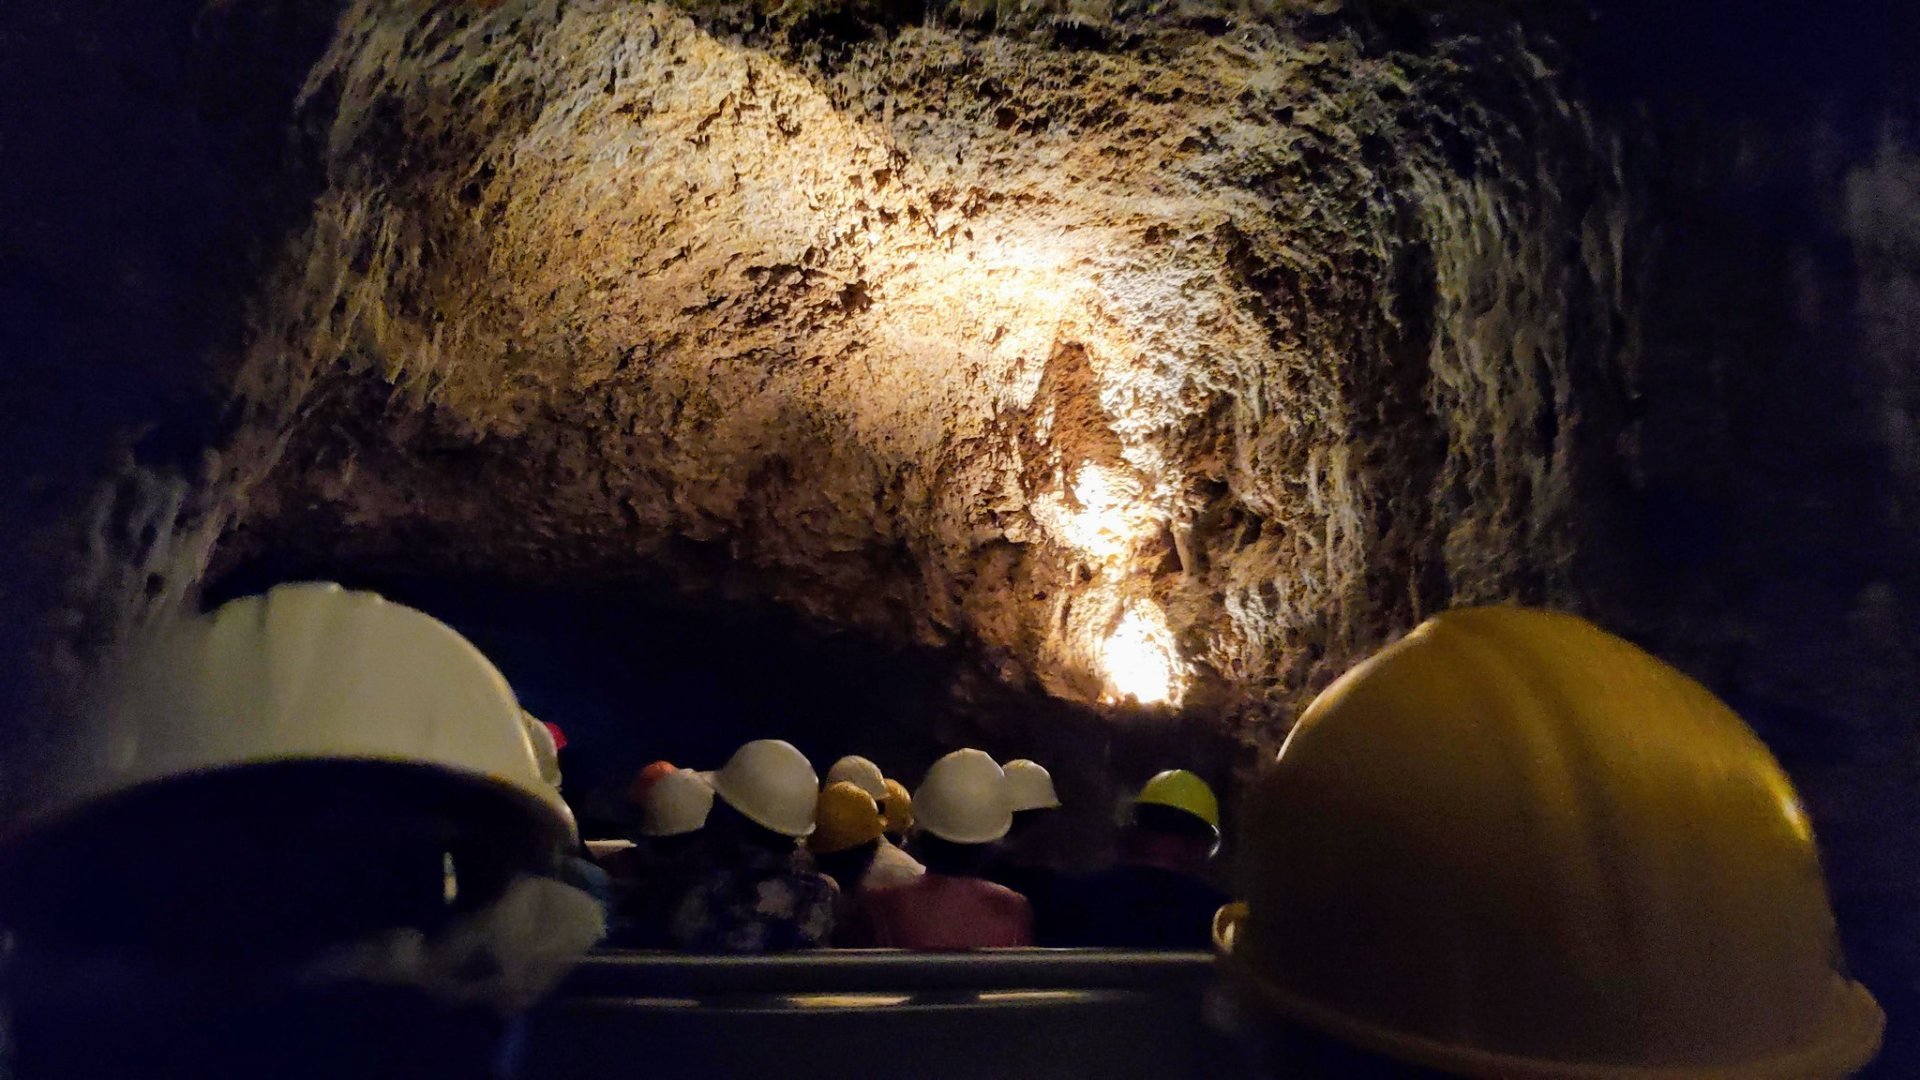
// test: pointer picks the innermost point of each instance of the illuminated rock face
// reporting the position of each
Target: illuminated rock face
(1160, 363)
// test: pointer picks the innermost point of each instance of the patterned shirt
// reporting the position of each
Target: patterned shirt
(752, 900)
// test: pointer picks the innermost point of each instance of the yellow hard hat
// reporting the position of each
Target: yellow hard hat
(1181, 790)
(1513, 845)
(846, 818)
(899, 813)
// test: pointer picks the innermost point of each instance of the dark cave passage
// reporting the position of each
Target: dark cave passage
(640, 670)
(637, 672)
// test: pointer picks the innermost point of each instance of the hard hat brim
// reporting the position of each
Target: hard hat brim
(1201, 818)
(525, 830)
(1855, 1028)
(543, 804)
(659, 833)
(1178, 789)
(955, 836)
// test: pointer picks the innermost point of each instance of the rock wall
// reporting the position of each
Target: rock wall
(1172, 359)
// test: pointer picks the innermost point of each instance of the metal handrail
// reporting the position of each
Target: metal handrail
(632, 973)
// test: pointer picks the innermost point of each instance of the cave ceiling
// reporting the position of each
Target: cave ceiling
(1159, 360)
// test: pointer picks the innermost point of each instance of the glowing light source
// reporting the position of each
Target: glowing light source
(847, 1001)
(1140, 660)
(1106, 515)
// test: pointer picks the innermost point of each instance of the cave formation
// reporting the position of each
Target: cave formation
(1159, 363)
(1147, 364)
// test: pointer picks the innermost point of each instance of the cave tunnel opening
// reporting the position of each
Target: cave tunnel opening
(634, 672)
(640, 669)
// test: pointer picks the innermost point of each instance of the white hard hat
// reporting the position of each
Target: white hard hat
(964, 799)
(677, 803)
(313, 672)
(1029, 786)
(861, 773)
(771, 782)
(545, 754)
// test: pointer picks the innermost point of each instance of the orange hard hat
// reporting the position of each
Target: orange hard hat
(644, 780)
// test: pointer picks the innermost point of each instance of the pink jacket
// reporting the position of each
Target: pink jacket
(941, 913)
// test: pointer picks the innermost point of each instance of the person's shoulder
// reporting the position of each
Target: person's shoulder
(812, 883)
(1001, 896)
(1203, 890)
(892, 855)
(894, 892)
(1087, 883)
(892, 872)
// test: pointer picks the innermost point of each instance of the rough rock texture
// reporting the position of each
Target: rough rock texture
(1232, 348)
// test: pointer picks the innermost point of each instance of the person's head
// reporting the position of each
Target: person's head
(644, 780)
(848, 866)
(861, 773)
(896, 811)
(386, 722)
(728, 828)
(306, 769)
(963, 800)
(845, 833)
(1168, 837)
(662, 850)
(942, 856)
(1030, 796)
(846, 818)
(545, 739)
(1175, 821)
(768, 785)
(1514, 844)
(677, 804)
(1027, 822)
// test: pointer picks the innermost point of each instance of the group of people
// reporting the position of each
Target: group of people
(1510, 844)
(758, 856)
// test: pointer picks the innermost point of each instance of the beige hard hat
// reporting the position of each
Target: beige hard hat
(1030, 786)
(677, 804)
(771, 782)
(861, 773)
(964, 799)
(311, 672)
(546, 754)
(1514, 845)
